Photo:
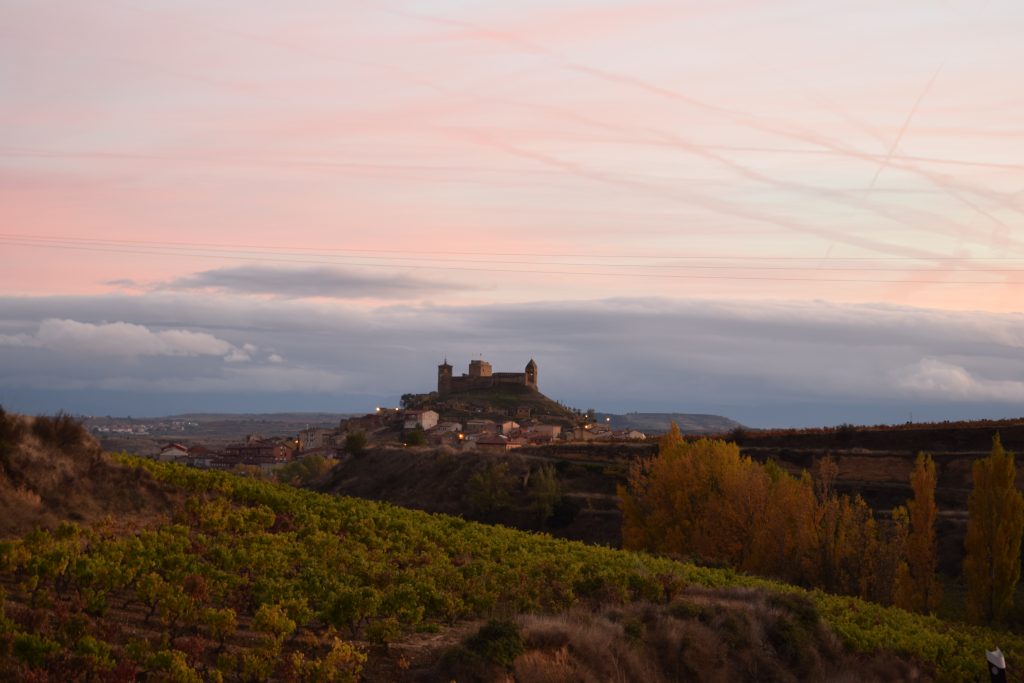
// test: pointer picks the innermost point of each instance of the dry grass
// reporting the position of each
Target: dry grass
(726, 635)
(52, 470)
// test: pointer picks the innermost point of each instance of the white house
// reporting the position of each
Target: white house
(550, 431)
(423, 419)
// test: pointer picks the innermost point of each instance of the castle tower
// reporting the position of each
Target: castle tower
(479, 369)
(444, 378)
(531, 374)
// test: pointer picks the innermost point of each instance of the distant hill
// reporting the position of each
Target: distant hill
(961, 436)
(689, 423)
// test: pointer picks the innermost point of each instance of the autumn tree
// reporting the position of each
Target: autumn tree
(703, 498)
(891, 563)
(489, 490)
(670, 439)
(847, 546)
(786, 541)
(994, 529)
(826, 471)
(917, 587)
(544, 493)
(665, 505)
(852, 554)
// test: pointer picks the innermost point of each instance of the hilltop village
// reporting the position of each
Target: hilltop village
(480, 410)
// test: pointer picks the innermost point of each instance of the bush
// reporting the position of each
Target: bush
(355, 443)
(12, 430)
(801, 606)
(34, 650)
(489, 490)
(793, 642)
(544, 493)
(304, 471)
(497, 642)
(684, 609)
(61, 430)
(415, 437)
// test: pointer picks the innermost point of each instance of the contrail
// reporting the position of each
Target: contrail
(903, 129)
(853, 198)
(956, 190)
(948, 185)
(737, 116)
(700, 200)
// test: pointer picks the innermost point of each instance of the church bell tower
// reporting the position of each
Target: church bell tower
(444, 378)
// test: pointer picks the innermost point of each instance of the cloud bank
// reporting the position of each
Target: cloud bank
(122, 339)
(931, 377)
(765, 363)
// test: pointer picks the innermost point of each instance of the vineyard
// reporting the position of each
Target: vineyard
(256, 581)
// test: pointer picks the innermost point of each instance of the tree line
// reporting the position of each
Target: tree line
(704, 499)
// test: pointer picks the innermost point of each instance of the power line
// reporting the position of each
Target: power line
(275, 258)
(402, 261)
(421, 252)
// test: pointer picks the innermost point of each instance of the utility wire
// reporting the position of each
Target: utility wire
(345, 251)
(275, 258)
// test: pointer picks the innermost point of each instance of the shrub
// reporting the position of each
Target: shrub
(12, 429)
(684, 609)
(497, 642)
(793, 642)
(355, 443)
(415, 437)
(544, 493)
(33, 650)
(384, 631)
(490, 490)
(61, 430)
(304, 471)
(801, 606)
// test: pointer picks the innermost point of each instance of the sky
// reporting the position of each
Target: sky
(786, 212)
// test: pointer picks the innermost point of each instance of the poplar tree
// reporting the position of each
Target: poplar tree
(671, 439)
(994, 529)
(544, 493)
(917, 587)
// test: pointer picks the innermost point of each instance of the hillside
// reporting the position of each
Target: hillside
(502, 402)
(586, 508)
(51, 470)
(249, 580)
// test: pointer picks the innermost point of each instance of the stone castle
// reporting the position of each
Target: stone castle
(481, 377)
